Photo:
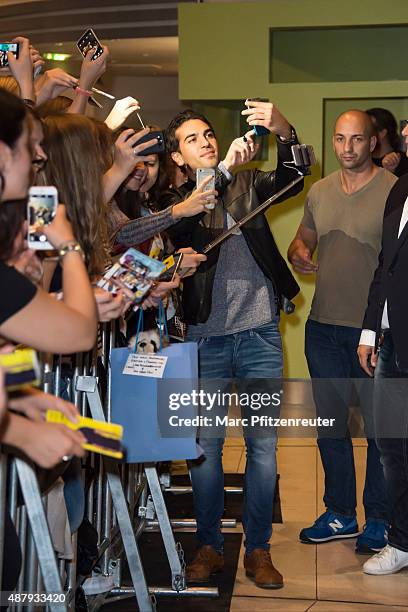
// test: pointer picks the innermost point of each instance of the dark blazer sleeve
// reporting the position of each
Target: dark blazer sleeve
(373, 313)
(378, 289)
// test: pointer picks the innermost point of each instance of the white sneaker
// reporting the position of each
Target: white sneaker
(388, 561)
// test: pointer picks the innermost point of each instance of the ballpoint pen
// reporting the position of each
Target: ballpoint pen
(140, 119)
(100, 92)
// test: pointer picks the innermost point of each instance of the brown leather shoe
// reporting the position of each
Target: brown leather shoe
(206, 562)
(259, 566)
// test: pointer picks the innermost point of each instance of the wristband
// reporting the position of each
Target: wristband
(29, 102)
(70, 247)
(292, 138)
(84, 92)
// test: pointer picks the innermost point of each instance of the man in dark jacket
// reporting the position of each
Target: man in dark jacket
(231, 306)
(383, 350)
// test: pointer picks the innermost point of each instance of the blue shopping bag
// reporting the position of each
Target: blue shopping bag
(136, 402)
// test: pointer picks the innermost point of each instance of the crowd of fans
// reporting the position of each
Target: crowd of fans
(108, 192)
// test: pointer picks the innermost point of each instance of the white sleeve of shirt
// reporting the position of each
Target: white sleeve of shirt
(367, 337)
(225, 172)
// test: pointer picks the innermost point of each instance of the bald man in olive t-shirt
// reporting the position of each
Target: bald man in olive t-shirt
(343, 218)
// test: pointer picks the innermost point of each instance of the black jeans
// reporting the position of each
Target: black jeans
(391, 426)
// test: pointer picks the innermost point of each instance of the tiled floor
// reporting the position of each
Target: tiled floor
(325, 578)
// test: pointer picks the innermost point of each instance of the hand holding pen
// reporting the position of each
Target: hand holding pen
(121, 111)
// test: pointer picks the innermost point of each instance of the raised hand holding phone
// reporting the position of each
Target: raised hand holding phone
(201, 175)
(89, 41)
(5, 49)
(267, 115)
(21, 68)
(259, 130)
(130, 149)
(93, 68)
(41, 210)
(59, 231)
(197, 202)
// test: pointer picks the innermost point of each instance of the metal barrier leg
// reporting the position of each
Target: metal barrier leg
(40, 532)
(88, 385)
(175, 553)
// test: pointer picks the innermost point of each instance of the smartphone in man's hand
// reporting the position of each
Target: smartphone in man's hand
(201, 175)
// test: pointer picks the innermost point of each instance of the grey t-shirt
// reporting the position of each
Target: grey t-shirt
(349, 228)
(242, 298)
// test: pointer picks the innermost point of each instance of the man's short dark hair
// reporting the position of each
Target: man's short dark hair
(172, 142)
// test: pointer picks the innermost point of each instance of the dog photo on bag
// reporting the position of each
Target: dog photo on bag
(148, 341)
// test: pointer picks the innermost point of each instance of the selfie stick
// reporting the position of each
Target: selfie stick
(249, 216)
(303, 159)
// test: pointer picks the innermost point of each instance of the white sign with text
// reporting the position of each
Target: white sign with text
(152, 365)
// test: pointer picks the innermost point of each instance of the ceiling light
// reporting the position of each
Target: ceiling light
(56, 57)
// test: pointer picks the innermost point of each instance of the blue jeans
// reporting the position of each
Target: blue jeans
(391, 422)
(331, 353)
(251, 354)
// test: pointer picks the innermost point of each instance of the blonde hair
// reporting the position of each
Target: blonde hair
(54, 106)
(74, 167)
(10, 84)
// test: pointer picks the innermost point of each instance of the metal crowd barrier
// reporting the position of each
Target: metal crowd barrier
(122, 502)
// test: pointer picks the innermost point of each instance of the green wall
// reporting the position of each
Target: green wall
(225, 56)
